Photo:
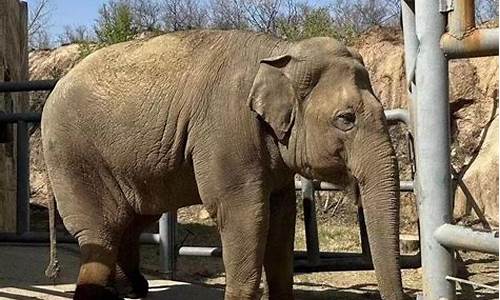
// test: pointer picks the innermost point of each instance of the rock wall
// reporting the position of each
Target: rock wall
(13, 67)
(45, 64)
(481, 178)
(473, 98)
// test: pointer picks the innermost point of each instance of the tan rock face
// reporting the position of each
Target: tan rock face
(473, 96)
(482, 178)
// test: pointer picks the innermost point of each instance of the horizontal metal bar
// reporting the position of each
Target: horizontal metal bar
(405, 186)
(320, 186)
(476, 43)
(150, 238)
(32, 117)
(399, 114)
(27, 86)
(217, 252)
(466, 238)
(43, 237)
(34, 237)
(352, 263)
(471, 283)
(329, 261)
(201, 251)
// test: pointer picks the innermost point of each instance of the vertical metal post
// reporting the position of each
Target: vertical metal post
(311, 226)
(363, 235)
(462, 18)
(432, 149)
(168, 253)
(23, 177)
(411, 47)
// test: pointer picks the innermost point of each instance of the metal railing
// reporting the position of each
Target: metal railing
(428, 47)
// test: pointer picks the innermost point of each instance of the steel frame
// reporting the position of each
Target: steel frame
(428, 47)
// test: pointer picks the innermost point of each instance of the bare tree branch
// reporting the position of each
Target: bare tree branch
(183, 14)
(75, 34)
(39, 20)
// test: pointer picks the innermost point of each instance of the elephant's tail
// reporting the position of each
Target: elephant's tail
(53, 269)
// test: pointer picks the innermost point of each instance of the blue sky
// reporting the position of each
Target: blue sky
(71, 12)
(81, 12)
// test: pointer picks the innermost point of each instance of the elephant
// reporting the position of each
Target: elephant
(224, 119)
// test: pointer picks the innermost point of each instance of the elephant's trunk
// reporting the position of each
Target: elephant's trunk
(377, 175)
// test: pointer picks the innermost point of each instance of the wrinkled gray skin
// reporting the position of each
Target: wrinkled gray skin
(224, 119)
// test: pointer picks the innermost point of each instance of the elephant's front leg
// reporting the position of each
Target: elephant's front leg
(243, 224)
(278, 261)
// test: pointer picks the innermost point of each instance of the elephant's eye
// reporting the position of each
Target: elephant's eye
(344, 121)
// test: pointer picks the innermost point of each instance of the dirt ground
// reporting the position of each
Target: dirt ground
(338, 231)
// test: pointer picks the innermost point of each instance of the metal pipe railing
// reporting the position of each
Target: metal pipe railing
(398, 115)
(310, 223)
(466, 238)
(476, 43)
(43, 237)
(29, 117)
(461, 18)
(432, 149)
(404, 186)
(352, 262)
(27, 86)
(410, 51)
(167, 228)
(463, 39)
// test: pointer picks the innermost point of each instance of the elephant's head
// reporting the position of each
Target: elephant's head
(318, 101)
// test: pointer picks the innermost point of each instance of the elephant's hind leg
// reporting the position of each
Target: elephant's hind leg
(94, 213)
(129, 281)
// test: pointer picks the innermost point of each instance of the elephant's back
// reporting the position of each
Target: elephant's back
(141, 98)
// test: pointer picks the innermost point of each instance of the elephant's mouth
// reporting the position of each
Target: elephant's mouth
(339, 176)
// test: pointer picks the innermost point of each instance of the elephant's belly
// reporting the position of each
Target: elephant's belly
(157, 195)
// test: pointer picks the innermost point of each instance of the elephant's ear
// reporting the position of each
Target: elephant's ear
(272, 95)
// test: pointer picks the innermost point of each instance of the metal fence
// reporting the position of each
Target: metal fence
(428, 47)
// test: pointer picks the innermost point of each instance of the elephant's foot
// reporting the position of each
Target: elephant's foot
(235, 294)
(135, 287)
(95, 292)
